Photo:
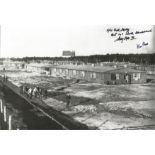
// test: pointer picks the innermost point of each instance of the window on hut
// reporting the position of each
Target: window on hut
(74, 72)
(94, 75)
(136, 76)
(54, 70)
(83, 73)
(117, 76)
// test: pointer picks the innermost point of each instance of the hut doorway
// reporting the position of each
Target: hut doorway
(127, 78)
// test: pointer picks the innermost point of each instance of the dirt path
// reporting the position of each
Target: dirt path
(26, 116)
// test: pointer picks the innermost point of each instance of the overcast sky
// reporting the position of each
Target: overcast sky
(20, 41)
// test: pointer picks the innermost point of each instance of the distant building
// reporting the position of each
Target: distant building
(40, 68)
(8, 64)
(150, 69)
(68, 53)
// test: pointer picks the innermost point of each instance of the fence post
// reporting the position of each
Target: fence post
(4, 113)
(10, 122)
(1, 106)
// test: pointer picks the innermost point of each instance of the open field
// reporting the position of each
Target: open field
(98, 106)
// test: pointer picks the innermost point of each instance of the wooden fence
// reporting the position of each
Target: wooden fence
(5, 118)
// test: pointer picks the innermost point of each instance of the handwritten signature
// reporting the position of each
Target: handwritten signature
(126, 38)
(125, 34)
(142, 45)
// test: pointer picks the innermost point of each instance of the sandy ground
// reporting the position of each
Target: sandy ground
(98, 106)
(119, 106)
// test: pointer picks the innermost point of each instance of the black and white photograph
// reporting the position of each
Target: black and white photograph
(95, 77)
(77, 77)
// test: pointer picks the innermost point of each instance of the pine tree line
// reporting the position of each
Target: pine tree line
(147, 59)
